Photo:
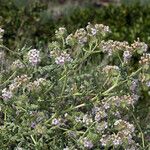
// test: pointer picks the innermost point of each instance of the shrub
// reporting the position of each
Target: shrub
(126, 21)
(58, 99)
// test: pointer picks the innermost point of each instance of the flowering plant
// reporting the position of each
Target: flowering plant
(60, 98)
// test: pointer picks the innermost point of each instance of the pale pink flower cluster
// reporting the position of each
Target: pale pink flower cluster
(126, 100)
(6, 94)
(101, 126)
(34, 57)
(124, 135)
(35, 85)
(97, 28)
(127, 56)
(17, 64)
(87, 143)
(145, 59)
(60, 32)
(63, 58)
(111, 70)
(81, 36)
(113, 47)
(139, 46)
(85, 119)
(56, 121)
(17, 82)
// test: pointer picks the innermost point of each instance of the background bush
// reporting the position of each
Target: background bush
(55, 98)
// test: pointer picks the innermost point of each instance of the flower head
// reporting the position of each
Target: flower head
(126, 56)
(62, 59)
(87, 143)
(34, 57)
(56, 121)
(6, 94)
(17, 64)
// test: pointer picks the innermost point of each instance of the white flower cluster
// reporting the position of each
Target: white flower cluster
(100, 114)
(101, 126)
(96, 29)
(84, 119)
(124, 125)
(145, 79)
(112, 139)
(36, 84)
(124, 135)
(6, 94)
(70, 39)
(145, 59)
(81, 36)
(111, 70)
(17, 64)
(141, 47)
(60, 33)
(17, 82)
(63, 58)
(87, 119)
(34, 57)
(113, 47)
(56, 121)
(127, 56)
(87, 143)
(125, 100)
(134, 85)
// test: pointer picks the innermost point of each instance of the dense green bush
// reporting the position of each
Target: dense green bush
(56, 99)
(35, 22)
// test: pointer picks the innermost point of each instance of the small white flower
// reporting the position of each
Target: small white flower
(117, 141)
(13, 86)
(34, 57)
(62, 59)
(100, 127)
(144, 47)
(17, 64)
(6, 94)
(60, 32)
(55, 121)
(87, 143)
(93, 31)
(87, 119)
(127, 55)
(104, 140)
